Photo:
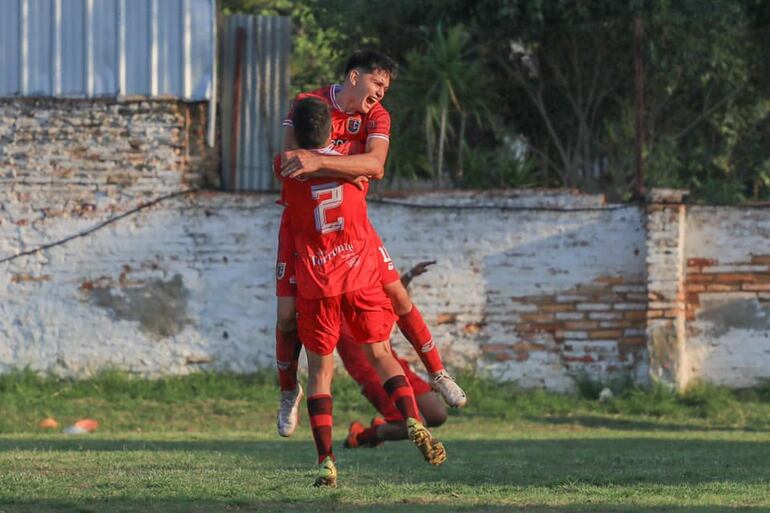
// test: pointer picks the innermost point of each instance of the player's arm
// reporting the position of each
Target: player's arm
(290, 145)
(415, 271)
(289, 141)
(370, 164)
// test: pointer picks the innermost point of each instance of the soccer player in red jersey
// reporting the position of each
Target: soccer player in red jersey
(391, 425)
(338, 276)
(361, 130)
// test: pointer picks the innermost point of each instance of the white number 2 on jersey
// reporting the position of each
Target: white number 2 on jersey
(333, 200)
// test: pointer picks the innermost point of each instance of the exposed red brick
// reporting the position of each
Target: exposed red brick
(537, 317)
(527, 346)
(446, 318)
(605, 334)
(735, 277)
(760, 259)
(472, 327)
(701, 278)
(651, 314)
(26, 278)
(695, 287)
(701, 262)
(636, 314)
(633, 341)
(494, 348)
(609, 280)
(586, 358)
(722, 287)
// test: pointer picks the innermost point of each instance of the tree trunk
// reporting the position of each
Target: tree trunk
(441, 142)
(461, 142)
(429, 144)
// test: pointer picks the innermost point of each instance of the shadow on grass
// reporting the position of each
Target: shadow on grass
(510, 463)
(598, 421)
(328, 503)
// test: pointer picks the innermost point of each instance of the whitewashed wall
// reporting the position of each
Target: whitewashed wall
(728, 330)
(189, 284)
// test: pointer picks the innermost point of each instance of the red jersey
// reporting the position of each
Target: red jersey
(331, 233)
(350, 131)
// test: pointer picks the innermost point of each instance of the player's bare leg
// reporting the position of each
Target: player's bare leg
(412, 325)
(287, 349)
(319, 405)
(401, 393)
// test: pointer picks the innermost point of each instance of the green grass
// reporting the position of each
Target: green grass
(207, 443)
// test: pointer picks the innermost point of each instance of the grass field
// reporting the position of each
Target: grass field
(207, 443)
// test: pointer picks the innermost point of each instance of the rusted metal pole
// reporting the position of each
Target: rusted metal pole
(639, 104)
(240, 41)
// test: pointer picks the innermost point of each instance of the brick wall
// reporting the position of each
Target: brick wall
(536, 287)
(187, 284)
(73, 158)
(536, 296)
(728, 294)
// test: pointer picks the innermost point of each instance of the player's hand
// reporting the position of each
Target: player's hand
(421, 268)
(299, 162)
(359, 182)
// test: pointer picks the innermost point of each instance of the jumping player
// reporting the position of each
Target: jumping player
(337, 276)
(391, 425)
(361, 130)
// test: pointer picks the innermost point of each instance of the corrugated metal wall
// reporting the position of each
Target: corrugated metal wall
(255, 89)
(97, 48)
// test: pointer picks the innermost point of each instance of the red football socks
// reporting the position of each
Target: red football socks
(319, 408)
(402, 395)
(368, 437)
(415, 330)
(287, 349)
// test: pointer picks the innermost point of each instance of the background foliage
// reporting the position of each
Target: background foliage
(540, 93)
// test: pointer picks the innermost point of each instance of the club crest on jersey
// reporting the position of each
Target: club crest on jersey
(354, 125)
(280, 270)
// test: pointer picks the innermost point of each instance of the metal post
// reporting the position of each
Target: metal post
(240, 41)
(639, 90)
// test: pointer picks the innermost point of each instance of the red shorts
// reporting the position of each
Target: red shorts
(285, 276)
(388, 271)
(367, 311)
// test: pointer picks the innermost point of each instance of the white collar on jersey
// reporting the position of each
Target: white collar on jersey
(328, 150)
(333, 90)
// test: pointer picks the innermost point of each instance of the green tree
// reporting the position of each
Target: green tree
(441, 85)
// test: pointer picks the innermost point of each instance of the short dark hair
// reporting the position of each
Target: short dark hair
(371, 61)
(312, 123)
